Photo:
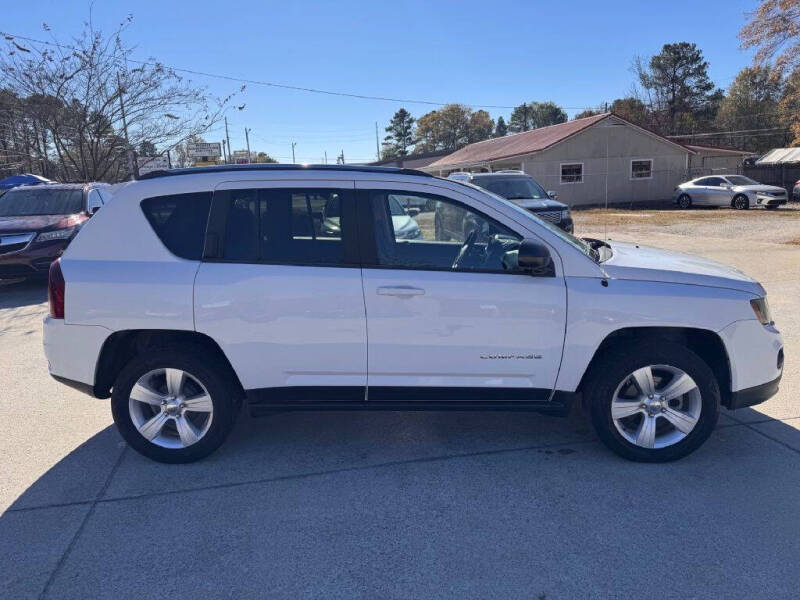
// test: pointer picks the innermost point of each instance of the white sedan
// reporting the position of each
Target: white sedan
(736, 191)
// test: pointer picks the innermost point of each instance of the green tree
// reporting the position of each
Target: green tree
(632, 109)
(401, 135)
(679, 91)
(774, 30)
(587, 113)
(443, 129)
(536, 114)
(753, 102)
(481, 126)
(263, 157)
(501, 129)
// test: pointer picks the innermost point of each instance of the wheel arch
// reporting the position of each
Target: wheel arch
(121, 346)
(703, 342)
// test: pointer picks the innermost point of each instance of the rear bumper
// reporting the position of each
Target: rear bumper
(72, 352)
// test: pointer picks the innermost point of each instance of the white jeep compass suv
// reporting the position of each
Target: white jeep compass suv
(195, 290)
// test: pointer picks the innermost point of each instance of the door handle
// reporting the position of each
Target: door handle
(399, 290)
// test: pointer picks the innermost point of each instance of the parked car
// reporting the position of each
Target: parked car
(736, 191)
(38, 222)
(524, 191)
(198, 290)
(796, 191)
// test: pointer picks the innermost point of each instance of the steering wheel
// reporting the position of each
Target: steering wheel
(465, 248)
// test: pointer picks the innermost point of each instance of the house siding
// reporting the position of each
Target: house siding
(623, 144)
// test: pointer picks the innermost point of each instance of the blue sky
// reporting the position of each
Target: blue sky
(575, 53)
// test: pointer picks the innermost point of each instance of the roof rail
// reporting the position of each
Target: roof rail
(282, 167)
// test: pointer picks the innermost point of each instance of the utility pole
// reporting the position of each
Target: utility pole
(326, 157)
(340, 159)
(293, 145)
(227, 137)
(129, 150)
(377, 145)
(247, 137)
(224, 153)
(525, 117)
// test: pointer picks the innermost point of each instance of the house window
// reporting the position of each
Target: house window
(571, 172)
(642, 169)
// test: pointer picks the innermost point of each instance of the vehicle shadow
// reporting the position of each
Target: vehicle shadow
(18, 293)
(315, 448)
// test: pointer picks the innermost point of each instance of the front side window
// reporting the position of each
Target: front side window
(284, 226)
(451, 237)
(572, 173)
(41, 200)
(94, 201)
(642, 169)
(741, 180)
(180, 221)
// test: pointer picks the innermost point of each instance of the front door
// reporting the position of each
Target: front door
(280, 289)
(451, 315)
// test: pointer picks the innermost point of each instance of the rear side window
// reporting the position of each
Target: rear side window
(180, 221)
(285, 226)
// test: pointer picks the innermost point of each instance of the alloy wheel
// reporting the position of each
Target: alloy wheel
(170, 408)
(656, 406)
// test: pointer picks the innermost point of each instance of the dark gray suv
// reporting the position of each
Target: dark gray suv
(524, 191)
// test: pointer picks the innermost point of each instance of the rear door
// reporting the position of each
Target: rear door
(444, 327)
(280, 290)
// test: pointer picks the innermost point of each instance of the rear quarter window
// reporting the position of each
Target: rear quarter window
(180, 221)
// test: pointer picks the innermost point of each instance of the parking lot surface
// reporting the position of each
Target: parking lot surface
(409, 505)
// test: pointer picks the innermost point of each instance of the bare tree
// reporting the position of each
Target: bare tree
(86, 104)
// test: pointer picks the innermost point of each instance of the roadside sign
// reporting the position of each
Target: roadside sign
(152, 163)
(241, 157)
(207, 163)
(201, 149)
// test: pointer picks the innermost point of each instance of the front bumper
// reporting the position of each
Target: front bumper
(755, 354)
(766, 200)
(32, 261)
(754, 395)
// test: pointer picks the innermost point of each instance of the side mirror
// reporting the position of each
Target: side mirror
(535, 257)
(552, 195)
(412, 211)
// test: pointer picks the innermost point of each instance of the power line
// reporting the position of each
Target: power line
(282, 85)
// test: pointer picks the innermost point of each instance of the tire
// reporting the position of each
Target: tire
(740, 202)
(613, 372)
(684, 201)
(214, 384)
(773, 207)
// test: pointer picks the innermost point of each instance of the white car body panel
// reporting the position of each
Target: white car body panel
(713, 195)
(307, 326)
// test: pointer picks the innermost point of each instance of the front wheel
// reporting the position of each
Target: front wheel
(653, 402)
(741, 202)
(173, 406)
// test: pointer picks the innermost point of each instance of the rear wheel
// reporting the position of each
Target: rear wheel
(740, 202)
(653, 402)
(173, 406)
(684, 201)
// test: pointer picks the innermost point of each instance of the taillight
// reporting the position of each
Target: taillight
(55, 290)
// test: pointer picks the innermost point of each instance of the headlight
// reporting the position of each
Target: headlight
(57, 234)
(761, 308)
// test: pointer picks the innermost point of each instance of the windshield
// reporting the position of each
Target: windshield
(512, 188)
(573, 241)
(741, 180)
(41, 200)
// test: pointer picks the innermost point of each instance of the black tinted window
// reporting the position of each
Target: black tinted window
(180, 221)
(285, 226)
(35, 200)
